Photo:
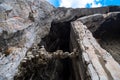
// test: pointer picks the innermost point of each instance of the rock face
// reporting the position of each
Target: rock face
(41, 42)
(22, 24)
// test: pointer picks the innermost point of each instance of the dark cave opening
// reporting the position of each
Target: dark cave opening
(59, 39)
(53, 69)
(109, 28)
(108, 36)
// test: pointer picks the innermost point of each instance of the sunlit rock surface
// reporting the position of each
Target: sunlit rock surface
(28, 23)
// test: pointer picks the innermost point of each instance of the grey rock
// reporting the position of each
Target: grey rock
(6, 7)
(19, 30)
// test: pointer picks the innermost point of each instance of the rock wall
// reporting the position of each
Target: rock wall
(28, 23)
(22, 24)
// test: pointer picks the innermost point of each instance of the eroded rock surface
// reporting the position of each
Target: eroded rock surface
(18, 31)
(25, 23)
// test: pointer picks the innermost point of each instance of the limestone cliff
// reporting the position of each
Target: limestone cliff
(38, 42)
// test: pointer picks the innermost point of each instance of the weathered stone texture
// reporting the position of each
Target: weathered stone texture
(28, 23)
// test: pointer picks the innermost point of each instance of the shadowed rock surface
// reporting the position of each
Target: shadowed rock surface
(32, 32)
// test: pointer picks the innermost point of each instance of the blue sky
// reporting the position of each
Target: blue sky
(83, 3)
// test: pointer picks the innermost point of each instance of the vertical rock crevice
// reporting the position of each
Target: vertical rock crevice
(60, 69)
(59, 39)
